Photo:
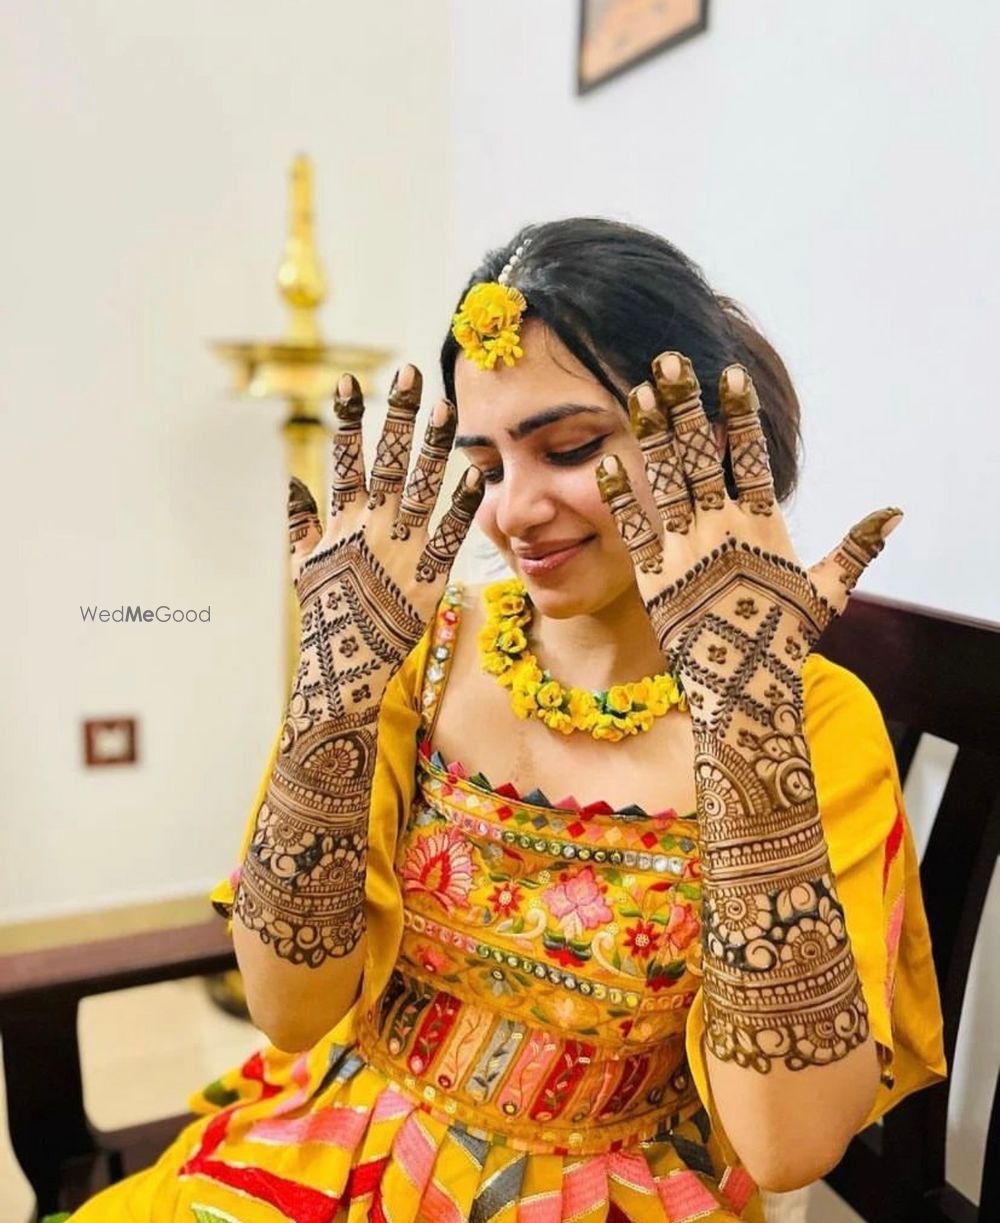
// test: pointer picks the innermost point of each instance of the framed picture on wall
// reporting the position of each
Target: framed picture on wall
(615, 35)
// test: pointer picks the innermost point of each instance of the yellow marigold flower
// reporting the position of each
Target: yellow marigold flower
(581, 704)
(523, 703)
(550, 695)
(511, 641)
(558, 721)
(487, 322)
(510, 605)
(494, 663)
(527, 673)
(642, 720)
(611, 733)
(619, 700)
(640, 691)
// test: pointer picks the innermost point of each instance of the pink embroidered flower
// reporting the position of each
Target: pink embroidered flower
(683, 926)
(505, 899)
(578, 902)
(431, 959)
(643, 939)
(441, 866)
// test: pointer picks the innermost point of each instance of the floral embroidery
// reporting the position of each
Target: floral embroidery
(643, 939)
(683, 926)
(505, 899)
(578, 902)
(441, 866)
(431, 959)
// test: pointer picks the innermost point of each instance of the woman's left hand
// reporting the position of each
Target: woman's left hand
(739, 623)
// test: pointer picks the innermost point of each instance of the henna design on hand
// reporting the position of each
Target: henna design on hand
(348, 457)
(780, 980)
(393, 453)
(424, 483)
(440, 552)
(680, 392)
(302, 884)
(633, 525)
(363, 607)
(663, 465)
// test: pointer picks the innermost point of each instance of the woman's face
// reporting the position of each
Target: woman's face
(538, 430)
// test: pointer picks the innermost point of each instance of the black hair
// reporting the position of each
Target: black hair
(617, 295)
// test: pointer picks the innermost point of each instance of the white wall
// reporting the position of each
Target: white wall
(833, 168)
(145, 148)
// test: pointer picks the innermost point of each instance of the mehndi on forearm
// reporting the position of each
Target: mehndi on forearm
(303, 879)
(780, 980)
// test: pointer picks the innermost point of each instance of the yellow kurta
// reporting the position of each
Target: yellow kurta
(333, 1134)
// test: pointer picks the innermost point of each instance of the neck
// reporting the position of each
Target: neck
(613, 645)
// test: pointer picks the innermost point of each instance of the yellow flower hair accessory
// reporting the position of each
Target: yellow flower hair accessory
(624, 709)
(488, 323)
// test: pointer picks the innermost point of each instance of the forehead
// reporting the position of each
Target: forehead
(547, 374)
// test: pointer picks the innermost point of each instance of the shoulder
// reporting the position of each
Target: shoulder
(835, 696)
(852, 754)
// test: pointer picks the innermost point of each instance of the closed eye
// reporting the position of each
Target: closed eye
(559, 458)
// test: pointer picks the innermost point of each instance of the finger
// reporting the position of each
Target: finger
(440, 551)
(424, 482)
(392, 456)
(304, 527)
(695, 440)
(348, 458)
(747, 443)
(633, 526)
(663, 466)
(836, 575)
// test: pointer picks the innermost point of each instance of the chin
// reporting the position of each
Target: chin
(580, 594)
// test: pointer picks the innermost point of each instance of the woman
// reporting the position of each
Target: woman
(703, 970)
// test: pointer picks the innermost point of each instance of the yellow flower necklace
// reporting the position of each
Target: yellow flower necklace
(625, 709)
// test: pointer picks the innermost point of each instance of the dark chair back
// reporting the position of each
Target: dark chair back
(937, 674)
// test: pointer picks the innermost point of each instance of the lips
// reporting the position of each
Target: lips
(542, 550)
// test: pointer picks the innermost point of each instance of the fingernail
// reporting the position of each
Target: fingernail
(736, 380)
(345, 387)
(473, 477)
(892, 523)
(670, 366)
(646, 396)
(441, 412)
(610, 465)
(404, 378)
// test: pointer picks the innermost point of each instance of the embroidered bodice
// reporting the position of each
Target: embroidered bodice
(549, 957)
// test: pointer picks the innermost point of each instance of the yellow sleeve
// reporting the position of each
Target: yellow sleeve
(393, 790)
(875, 865)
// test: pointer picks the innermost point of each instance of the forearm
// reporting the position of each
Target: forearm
(782, 996)
(299, 914)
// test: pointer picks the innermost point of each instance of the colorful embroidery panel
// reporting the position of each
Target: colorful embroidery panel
(549, 957)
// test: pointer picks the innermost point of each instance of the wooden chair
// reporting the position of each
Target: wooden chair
(932, 674)
(64, 1156)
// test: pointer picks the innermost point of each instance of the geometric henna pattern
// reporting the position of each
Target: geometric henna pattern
(780, 982)
(747, 445)
(302, 881)
(633, 526)
(663, 466)
(348, 458)
(694, 438)
(439, 551)
(424, 482)
(392, 456)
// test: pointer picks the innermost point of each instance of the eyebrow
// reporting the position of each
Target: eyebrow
(532, 423)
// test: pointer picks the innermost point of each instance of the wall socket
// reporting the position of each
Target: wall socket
(109, 741)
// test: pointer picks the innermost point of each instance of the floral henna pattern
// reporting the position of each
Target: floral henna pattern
(780, 980)
(302, 883)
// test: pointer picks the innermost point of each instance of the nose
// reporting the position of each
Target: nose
(522, 505)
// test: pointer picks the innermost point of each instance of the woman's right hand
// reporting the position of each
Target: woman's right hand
(370, 582)
(367, 586)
